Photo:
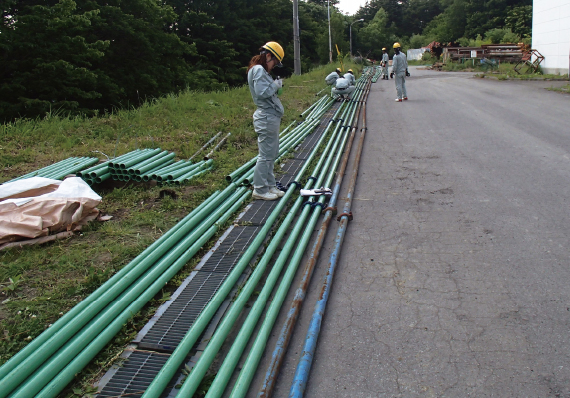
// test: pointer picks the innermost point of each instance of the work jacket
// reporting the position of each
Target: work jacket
(264, 91)
(399, 63)
(385, 59)
(342, 83)
(331, 78)
(350, 77)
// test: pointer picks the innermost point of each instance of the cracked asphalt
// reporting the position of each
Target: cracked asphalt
(454, 274)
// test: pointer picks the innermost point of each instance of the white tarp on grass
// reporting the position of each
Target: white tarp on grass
(37, 206)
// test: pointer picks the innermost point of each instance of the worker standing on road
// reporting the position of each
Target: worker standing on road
(384, 63)
(349, 75)
(400, 70)
(333, 76)
(267, 117)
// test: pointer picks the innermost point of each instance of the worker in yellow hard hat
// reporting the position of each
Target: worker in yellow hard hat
(267, 117)
(349, 75)
(384, 63)
(400, 71)
(331, 77)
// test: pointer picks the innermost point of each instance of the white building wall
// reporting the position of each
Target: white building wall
(551, 34)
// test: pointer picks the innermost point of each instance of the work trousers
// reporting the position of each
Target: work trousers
(346, 91)
(400, 79)
(266, 126)
(384, 70)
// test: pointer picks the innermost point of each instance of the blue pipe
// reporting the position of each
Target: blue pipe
(304, 366)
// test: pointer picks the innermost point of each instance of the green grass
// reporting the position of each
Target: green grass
(564, 89)
(40, 283)
(503, 71)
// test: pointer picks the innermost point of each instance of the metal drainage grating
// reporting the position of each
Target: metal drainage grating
(134, 375)
(230, 251)
(257, 214)
(171, 322)
(178, 318)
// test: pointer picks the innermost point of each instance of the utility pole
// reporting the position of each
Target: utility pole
(360, 20)
(296, 39)
(330, 37)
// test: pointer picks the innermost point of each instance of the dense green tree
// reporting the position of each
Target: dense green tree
(377, 34)
(519, 20)
(417, 14)
(46, 63)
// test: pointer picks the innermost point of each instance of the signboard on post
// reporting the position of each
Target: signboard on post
(473, 53)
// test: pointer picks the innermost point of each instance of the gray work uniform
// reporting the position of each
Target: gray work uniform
(331, 78)
(350, 77)
(399, 67)
(342, 87)
(385, 60)
(266, 122)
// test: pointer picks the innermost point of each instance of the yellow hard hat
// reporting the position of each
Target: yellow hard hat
(350, 71)
(383, 48)
(275, 48)
(397, 45)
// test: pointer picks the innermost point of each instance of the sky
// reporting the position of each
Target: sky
(350, 6)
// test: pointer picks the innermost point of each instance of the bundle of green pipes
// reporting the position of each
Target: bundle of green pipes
(144, 165)
(302, 217)
(378, 72)
(59, 170)
(50, 361)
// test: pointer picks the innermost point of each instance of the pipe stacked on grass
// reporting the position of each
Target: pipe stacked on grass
(145, 165)
(49, 362)
(59, 170)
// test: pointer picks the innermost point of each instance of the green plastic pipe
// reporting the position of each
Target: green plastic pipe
(154, 164)
(178, 356)
(138, 159)
(203, 363)
(187, 179)
(23, 363)
(136, 167)
(182, 172)
(165, 169)
(249, 368)
(282, 133)
(203, 166)
(114, 163)
(80, 340)
(43, 169)
(101, 178)
(62, 168)
(150, 175)
(207, 357)
(75, 168)
(58, 383)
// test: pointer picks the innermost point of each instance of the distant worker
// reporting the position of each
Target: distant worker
(267, 117)
(384, 63)
(333, 76)
(400, 70)
(342, 89)
(349, 75)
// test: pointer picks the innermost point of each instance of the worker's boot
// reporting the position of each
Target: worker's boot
(264, 196)
(276, 191)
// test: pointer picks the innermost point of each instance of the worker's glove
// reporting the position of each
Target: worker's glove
(407, 73)
(278, 83)
(391, 75)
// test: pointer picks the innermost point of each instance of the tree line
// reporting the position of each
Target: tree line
(92, 56)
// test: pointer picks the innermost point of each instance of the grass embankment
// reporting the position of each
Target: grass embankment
(41, 283)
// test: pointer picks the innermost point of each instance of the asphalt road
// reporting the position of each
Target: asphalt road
(454, 279)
